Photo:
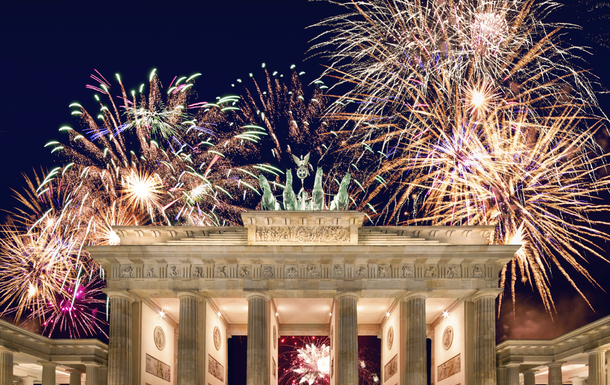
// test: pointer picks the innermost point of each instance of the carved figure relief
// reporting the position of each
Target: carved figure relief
(159, 337)
(447, 337)
(391, 368)
(267, 271)
(151, 272)
(273, 367)
(332, 368)
(244, 272)
(198, 272)
(383, 271)
(174, 271)
(290, 272)
(449, 368)
(430, 271)
(390, 337)
(274, 337)
(453, 271)
(217, 338)
(127, 272)
(158, 368)
(216, 369)
(303, 234)
(313, 272)
(361, 272)
(407, 271)
(220, 271)
(477, 271)
(337, 270)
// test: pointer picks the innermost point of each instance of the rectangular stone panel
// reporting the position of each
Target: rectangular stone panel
(158, 368)
(215, 368)
(390, 368)
(449, 368)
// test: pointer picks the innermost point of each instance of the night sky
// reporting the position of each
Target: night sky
(49, 49)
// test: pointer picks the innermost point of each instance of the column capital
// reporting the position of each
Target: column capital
(91, 363)
(343, 294)
(414, 294)
(257, 294)
(530, 371)
(512, 365)
(120, 294)
(554, 364)
(6, 349)
(192, 294)
(47, 363)
(482, 293)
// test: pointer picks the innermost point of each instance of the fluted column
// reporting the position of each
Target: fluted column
(75, 377)
(188, 339)
(413, 348)
(257, 367)
(48, 373)
(597, 367)
(347, 338)
(502, 375)
(512, 374)
(555, 375)
(91, 375)
(485, 337)
(6, 366)
(529, 377)
(120, 339)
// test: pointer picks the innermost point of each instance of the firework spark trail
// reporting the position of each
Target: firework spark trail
(473, 113)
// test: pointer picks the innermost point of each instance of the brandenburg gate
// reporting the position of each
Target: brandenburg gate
(178, 293)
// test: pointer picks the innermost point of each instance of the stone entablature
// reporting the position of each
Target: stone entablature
(68, 352)
(590, 337)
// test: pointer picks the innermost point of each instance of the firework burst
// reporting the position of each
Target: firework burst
(473, 113)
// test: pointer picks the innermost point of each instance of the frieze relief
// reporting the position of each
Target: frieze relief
(293, 271)
(174, 271)
(303, 234)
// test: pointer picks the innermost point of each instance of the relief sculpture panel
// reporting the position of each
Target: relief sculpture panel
(449, 368)
(303, 234)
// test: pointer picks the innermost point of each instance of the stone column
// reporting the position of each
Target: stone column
(6, 366)
(120, 339)
(75, 377)
(597, 367)
(30, 381)
(512, 374)
(502, 375)
(347, 338)
(48, 373)
(413, 348)
(91, 375)
(485, 337)
(529, 377)
(555, 375)
(257, 364)
(188, 339)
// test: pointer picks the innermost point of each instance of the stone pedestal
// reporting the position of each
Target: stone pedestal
(529, 377)
(485, 337)
(188, 339)
(75, 377)
(597, 367)
(347, 338)
(512, 374)
(120, 339)
(555, 375)
(257, 369)
(6, 367)
(48, 373)
(413, 350)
